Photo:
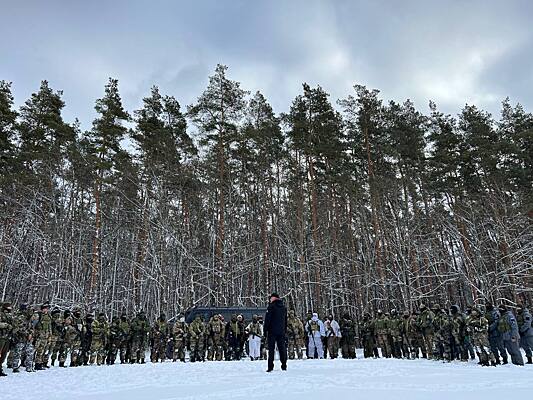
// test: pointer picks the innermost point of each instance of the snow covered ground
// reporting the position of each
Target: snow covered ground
(307, 379)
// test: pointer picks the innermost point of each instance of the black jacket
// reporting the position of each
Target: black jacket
(276, 319)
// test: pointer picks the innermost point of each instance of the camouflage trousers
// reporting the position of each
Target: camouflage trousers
(441, 347)
(458, 350)
(41, 349)
(158, 350)
(333, 346)
(179, 350)
(97, 352)
(215, 349)
(197, 349)
(137, 350)
(123, 350)
(23, 354)
(415, 346)
(53, 347)
(347, 347)
(295, 345)
(398, 349)
(427, 345)
(74, 349)
(368, 347)
(482, 348)
(382, 340)
(112, 351)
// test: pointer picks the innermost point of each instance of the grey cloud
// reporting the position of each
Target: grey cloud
(452, 52)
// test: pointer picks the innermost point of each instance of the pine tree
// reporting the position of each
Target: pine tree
(8, 118)
(217, 114)
(107, 132)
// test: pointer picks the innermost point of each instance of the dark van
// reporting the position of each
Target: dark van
(226, 312)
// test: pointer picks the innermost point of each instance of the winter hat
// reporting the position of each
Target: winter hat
(274, 294)
(315, 316)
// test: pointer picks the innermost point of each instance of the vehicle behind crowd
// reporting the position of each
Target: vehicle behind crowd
(35, 338)
(226, 312)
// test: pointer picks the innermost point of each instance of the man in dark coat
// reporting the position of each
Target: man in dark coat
(275, 328)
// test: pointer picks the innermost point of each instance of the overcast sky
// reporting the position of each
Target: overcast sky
(453, 52)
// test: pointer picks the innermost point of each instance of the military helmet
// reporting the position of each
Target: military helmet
(45, 305)
(436, 306)
(406, 313)
(6, 306)
(56, 310)
(454, 309)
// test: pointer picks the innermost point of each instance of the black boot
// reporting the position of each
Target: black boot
(62, 364)
(529, 360)
(2, 373)
(39, 367)
(16, 370)
(505, 361)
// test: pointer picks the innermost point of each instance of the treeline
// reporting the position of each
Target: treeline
(356, 204)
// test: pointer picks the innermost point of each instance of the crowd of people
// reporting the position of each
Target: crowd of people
(37, 338)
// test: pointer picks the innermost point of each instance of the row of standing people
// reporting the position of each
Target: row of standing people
(36, 339)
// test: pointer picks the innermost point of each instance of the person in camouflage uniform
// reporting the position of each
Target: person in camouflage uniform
(125, 338)
(100, 330)
(414, 336)
(71, 343)
(295, 335)
(159, 336)
(216, 333)
(495, 337)
(139, 328)
(396, 329)
(382, 332)
(254, 330)
(77, 346)
(235, 332)
(442, 326)
(366, 330)
(197, 337)
(523, 319)
(406, 352)
(23, 350)
(179, 335)
(477, 327)
(458, 333)
(508, 328)
(42, 327)
(113, 341)
(425, 324)
(348, 331)
(467, 344)
(56, 336)
(6, 331)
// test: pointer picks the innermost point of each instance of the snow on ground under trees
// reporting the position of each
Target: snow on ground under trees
(307, 379)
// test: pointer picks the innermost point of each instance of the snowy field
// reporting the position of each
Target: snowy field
(307, 379)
